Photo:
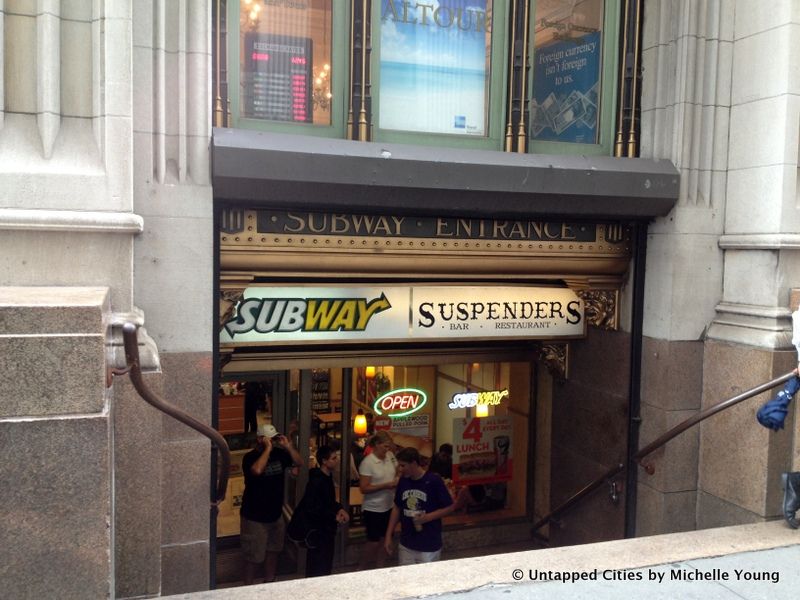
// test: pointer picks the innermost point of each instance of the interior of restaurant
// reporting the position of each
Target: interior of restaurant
(470, 422)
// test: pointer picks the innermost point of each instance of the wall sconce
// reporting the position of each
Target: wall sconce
(360, 423)
(481, 410)
(369, 372)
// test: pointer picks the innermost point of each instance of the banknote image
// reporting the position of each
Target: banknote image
(539, 120)
(571, 111)
(589, 118)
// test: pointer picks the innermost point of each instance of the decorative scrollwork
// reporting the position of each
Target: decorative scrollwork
(232, 220)
(555, 358)
(601, 308)
(227, 302)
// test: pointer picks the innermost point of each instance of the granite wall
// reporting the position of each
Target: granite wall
(590, 436)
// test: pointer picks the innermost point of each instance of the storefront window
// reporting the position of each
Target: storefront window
(435, 66)
(469, 422)
(286, 61)
(243, 405)
(568, 72)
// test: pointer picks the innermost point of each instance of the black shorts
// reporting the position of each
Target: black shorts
(376, 524)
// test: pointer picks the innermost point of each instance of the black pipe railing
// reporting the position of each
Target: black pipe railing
(131, 341)
(655, 445)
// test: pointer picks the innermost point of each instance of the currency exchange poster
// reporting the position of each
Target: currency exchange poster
(566, 89)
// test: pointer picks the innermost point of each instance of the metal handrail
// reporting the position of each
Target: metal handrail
(131, 340)
(655, 445)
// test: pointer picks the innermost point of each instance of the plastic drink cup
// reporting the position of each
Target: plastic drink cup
(417, 524)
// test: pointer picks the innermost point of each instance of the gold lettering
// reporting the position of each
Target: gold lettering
(301, 224)
(441, 226)
(340, 219)
(359, 220)
(537, 230)
(398, 224)
(566, 232)
(548, 233)
(317, 229)
(482, 231)
(383, 224)
(466, 225)
(517, 229)
(498, 227)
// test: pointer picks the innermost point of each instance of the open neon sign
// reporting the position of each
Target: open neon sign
(400, 402)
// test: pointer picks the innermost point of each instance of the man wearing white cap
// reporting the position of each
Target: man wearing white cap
(262, 527)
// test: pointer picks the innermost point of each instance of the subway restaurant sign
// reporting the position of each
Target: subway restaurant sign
(278, 315)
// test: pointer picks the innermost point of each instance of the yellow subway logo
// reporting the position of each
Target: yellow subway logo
(287, 315)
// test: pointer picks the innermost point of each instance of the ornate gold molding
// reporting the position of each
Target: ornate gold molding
(601, 307)
(227, 302)
(231, 290)
(555, 358)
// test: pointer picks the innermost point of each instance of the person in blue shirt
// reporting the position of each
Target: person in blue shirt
(421, 500)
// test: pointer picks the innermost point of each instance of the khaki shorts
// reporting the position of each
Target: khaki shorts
(259, 538)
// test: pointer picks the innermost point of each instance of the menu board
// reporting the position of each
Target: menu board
(482, 450)
(277, 78)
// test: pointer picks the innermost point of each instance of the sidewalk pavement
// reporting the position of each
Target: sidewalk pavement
(763, 575)
(759, 560)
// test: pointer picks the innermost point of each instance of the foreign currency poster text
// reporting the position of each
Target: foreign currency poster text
(566, 89)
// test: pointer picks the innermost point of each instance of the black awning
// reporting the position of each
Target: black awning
(293, 171)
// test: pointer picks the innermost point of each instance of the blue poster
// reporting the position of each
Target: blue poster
(434, 66)
(566, 90)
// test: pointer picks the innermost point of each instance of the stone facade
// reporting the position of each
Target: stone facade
(106, 215)
(720, 100)
(104, 184)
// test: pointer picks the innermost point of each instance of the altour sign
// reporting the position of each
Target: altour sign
(286, 315)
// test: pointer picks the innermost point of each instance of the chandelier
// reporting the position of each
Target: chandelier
(321, 92)
(248, 18)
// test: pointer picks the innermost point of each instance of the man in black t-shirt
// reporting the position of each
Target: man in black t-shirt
(262, 527)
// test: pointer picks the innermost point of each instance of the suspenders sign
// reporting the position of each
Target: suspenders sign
(298, 314)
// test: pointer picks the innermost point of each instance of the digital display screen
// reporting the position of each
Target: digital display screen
(277, 78)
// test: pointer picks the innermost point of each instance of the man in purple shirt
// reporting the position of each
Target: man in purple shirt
(421, 500)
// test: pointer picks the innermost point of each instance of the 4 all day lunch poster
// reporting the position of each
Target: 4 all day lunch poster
(482, 450)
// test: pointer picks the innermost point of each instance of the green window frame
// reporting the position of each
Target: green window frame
(609, 86)
(339, 78)
(496, 113)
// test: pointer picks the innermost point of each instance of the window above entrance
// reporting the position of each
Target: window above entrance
(291, 68)
(439, 72)
(535, 76)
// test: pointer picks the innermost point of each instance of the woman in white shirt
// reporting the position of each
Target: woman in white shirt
(377, 479)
